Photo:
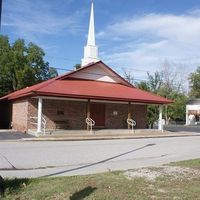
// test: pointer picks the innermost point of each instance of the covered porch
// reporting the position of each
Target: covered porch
(51, 115)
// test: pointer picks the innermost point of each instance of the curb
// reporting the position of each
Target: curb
(104, 138)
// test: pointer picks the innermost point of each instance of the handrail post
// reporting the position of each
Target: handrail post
(90, 123)
(43, 124)
(129, 113)
(88, 113)
(131, 123)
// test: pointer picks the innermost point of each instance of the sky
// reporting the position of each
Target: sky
(137, 36)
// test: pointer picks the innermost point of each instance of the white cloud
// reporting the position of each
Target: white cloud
(32, 19)
(147, 41)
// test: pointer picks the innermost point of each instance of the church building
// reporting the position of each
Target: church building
(93, 96)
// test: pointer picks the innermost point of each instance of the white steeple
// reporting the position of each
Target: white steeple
(90, 50)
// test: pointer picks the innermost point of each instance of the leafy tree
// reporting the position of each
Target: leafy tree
(22, 65)
(128, 76)
(155, 82)
(162, 83)
(143, 85)
(176, 111)
(195, 84)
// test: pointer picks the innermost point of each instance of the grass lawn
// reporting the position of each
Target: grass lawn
(179, 180)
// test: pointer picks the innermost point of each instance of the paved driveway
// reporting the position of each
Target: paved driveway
(12, 135)
(33, 159)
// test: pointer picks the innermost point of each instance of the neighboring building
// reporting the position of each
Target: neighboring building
(94, 92)
(193, 112)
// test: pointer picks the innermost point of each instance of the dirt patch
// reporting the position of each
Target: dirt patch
(153, 173)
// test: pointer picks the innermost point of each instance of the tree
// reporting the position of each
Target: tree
(167, 83)
(155, 81)
(194, 79)
(143, 85)
(128, 76)
(21, 65)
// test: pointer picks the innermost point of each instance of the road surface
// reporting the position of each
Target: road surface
(44, 159)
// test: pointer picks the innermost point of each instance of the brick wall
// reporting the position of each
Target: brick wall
(56, 111)
(19, 115)
(74, 113)
(117, 121)
(139, 114)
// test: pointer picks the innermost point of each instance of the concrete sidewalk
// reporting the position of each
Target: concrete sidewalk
(110, 136)
(13, 136)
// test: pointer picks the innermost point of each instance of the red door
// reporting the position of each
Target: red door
(97, 113)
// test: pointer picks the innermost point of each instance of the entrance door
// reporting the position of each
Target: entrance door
(97, 113)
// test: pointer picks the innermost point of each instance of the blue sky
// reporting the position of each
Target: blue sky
(135, 35)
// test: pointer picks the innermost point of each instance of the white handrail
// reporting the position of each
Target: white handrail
(90, 122)
(44, 122)
(132, 123)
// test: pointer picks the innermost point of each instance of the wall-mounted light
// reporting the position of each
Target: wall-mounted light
(115, 113)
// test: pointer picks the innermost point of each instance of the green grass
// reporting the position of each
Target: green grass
(106, 186)
(195, 163)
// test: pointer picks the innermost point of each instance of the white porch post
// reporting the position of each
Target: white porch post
(39, 117)
(160, 124)
(186, 117)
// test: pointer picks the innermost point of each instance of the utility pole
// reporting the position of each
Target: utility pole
(0, 12)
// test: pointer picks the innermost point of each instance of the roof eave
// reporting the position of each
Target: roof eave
(101, 98)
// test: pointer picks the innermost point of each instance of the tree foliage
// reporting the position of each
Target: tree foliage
(166, 83)
(21, 65)
(195, 84)
(128, 76)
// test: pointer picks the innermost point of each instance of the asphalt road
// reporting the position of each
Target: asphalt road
(33, 159)
(182, 128)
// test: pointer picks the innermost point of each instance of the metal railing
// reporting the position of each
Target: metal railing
(132, 123)
(35, 122)
(90, 122)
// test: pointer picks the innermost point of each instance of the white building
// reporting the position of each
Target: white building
(193, 112)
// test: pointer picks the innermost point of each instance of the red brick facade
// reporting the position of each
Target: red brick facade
(74, 114)
(20, 115)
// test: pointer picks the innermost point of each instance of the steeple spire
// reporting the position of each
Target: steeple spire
(90, 50)
(91, 32)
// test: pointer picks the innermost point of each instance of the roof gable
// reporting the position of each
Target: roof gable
(98, 71)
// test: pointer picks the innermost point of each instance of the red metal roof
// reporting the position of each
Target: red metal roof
(88, 89)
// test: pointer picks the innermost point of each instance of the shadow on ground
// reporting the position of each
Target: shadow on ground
(12, 185)
(80, 195)
(100, 162)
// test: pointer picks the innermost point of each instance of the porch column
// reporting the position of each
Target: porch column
(129, 113)
(88, 113)
(39, 116)
(160, 124)
(186, 117)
